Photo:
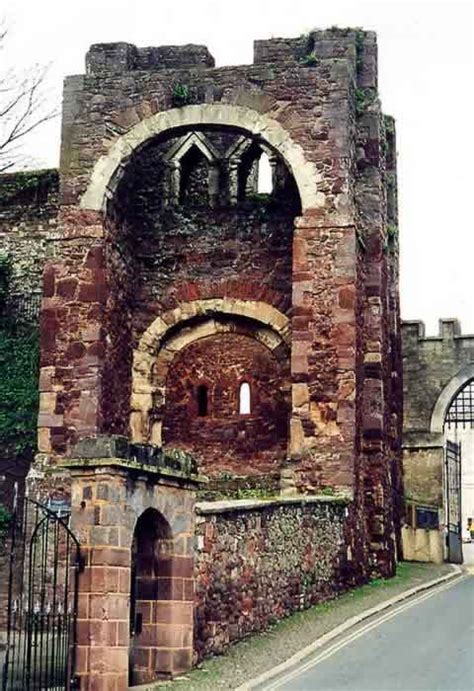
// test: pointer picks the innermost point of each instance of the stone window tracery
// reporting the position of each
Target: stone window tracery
(190, 161)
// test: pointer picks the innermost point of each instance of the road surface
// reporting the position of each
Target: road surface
(422, 645)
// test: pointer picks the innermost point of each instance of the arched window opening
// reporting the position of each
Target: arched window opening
(202, 400)
(244, 399)
(265, 175)
(194, 178)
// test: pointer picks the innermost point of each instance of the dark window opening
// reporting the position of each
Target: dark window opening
(426, 518)
(202, 400)
(194, 180)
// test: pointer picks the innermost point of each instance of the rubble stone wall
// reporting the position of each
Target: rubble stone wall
(259, 561)
(29, 204)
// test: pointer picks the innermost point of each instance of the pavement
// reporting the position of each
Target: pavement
(424, 644)
(295, 637)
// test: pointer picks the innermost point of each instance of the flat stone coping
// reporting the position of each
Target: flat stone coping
(230, 505)
(91, 463)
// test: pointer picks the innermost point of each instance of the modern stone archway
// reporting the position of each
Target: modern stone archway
(109, 168)
(178, 328)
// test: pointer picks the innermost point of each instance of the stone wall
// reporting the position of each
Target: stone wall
(255, 442)
(435, 368)
(258, 561)
(29, 204)
(429, 364)
(164, 239)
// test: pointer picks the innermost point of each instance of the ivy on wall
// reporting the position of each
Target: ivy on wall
(19, 361)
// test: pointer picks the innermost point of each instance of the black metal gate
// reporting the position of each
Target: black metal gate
(42, 600)
(453, 501)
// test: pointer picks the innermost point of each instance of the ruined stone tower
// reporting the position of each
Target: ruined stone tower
(224, 277)
(176, 282)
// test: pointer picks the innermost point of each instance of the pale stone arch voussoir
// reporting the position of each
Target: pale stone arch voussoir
(446, 396)
(109, 167)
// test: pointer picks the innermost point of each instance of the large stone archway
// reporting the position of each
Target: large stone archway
(109, 168)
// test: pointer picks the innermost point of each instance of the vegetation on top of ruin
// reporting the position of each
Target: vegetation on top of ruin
(181, 95)
(28, 184)
(364, 98)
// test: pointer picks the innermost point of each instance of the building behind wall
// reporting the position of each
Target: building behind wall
(183, 307)
(438, 376)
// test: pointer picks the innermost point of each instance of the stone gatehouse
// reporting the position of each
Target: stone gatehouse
(220, 283)
(438, 375)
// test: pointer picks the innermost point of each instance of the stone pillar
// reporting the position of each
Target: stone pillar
(132, 521)
(323, 357)
(104, 526)
(71, 334)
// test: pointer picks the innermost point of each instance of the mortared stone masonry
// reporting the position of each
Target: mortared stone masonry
(177, 274)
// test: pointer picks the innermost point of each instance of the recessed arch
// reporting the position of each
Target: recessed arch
(175, 330)
(108, 169)
(449, 392)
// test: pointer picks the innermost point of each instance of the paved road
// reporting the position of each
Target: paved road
(427, 646)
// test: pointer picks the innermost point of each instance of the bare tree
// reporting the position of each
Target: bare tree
(24, 106)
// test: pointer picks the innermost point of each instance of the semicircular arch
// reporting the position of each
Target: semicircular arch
(178, 328)
(107, 170)
(450, 391)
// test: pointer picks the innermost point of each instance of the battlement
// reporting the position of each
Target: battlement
(120, 57)
(448, 329)
(354, 45)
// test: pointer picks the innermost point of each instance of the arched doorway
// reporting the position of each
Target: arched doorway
(152, 589)
(459, 467)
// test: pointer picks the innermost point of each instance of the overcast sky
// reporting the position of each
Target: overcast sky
(425, 76)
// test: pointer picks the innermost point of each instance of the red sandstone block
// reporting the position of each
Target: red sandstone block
(146, 610)
(107, 682)
(103, 633)
(104, 660)
(82, 604)
(66, 288)
(148, 636)
(164, 661)
(95, 258)
(180, 613)
(123, 633)
(124, 580)
(183, 567)
(82, 658)
(182, 660)
(188, 589)
(347, 297)
(110, 556)
(111, 606)
(169, 636)
(92, 292)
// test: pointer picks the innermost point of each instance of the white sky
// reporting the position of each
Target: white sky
(426, 61)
